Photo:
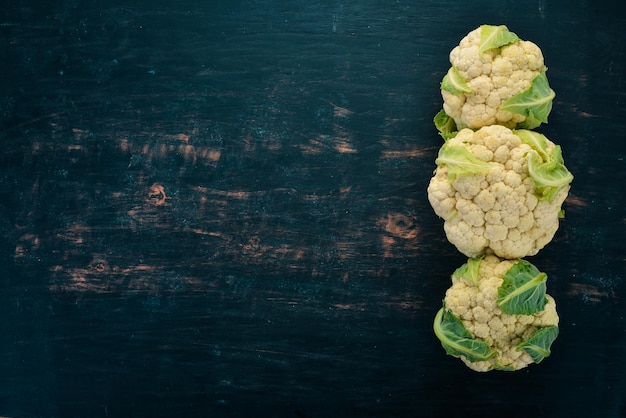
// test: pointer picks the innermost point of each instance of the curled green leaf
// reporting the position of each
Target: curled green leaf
(457, 340)
(502, 367)
(492, 37)
(546, 168)
(453, 82)
(551, 176)
(460, 161)
(535, 103)
(538, 346)
(523, 290)
(537, 141)
(445, 125)
(469, 270)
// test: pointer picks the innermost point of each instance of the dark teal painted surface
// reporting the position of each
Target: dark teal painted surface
(219, 209)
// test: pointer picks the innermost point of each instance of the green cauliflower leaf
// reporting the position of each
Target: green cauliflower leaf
(523, 290)
(445, 125)
(538, 346)
(454, 83)
(492, 37)
(535, 103)
(457, 340)
(547, 169)
(469, 270)
(460, 161)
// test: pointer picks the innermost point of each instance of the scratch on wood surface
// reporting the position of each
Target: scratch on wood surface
(339, 111)
(344, 145)
(589, 292)
(26, 244)
(106, 273)
(152, 149)
(576, 200)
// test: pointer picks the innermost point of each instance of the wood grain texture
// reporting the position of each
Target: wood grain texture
(220, 210)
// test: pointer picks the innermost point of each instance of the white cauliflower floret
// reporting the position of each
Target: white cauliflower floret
(491, 66)
(489, 198)
(474, 298)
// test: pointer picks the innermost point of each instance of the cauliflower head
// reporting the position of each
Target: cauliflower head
(496, 79)
(499, 191)
(496, 315)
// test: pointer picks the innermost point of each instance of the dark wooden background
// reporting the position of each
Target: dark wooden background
(218, 209)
